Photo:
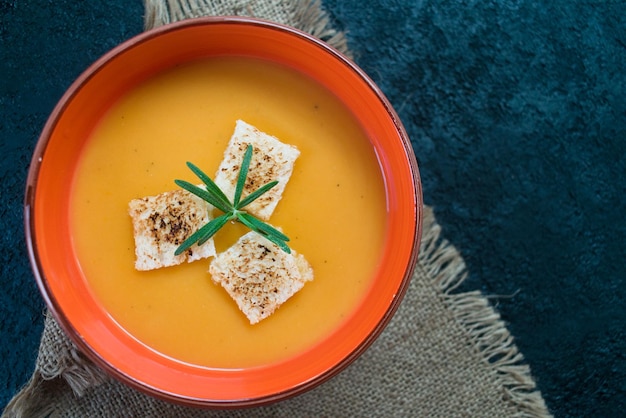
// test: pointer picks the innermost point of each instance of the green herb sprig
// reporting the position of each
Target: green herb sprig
(232, 211)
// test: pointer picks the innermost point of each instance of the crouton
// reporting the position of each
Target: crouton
(259, 276)
(162, 222)
(271, 160)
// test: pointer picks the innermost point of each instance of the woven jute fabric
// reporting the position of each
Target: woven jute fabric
(444, 354)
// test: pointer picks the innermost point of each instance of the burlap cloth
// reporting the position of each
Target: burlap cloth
(444, 354)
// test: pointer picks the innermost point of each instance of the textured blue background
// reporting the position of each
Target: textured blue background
(517, 112)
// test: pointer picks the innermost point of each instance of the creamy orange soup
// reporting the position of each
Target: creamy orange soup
(333, 209)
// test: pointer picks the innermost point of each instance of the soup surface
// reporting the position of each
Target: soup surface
(333, 208)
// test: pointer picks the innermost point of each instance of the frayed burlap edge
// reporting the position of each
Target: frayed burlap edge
(486, 331)
(306, 15)
(63, 365)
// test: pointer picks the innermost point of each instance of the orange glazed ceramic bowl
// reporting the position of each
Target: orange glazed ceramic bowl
(63, 282)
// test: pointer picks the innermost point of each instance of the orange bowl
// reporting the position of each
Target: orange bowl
(57, 268)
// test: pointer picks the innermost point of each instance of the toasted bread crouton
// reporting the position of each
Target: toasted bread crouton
(259, 276)
(161, 223)
(271, 160)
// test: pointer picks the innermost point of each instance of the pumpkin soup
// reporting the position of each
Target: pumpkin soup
(333, 208)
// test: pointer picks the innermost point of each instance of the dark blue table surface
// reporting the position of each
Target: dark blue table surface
(517, 113)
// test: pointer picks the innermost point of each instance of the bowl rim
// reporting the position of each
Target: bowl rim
(58, 311)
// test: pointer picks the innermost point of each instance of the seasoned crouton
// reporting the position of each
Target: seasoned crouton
(271, 160)
(161, 223)
(259, 276)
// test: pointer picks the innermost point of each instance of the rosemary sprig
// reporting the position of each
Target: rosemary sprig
(232, 210)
